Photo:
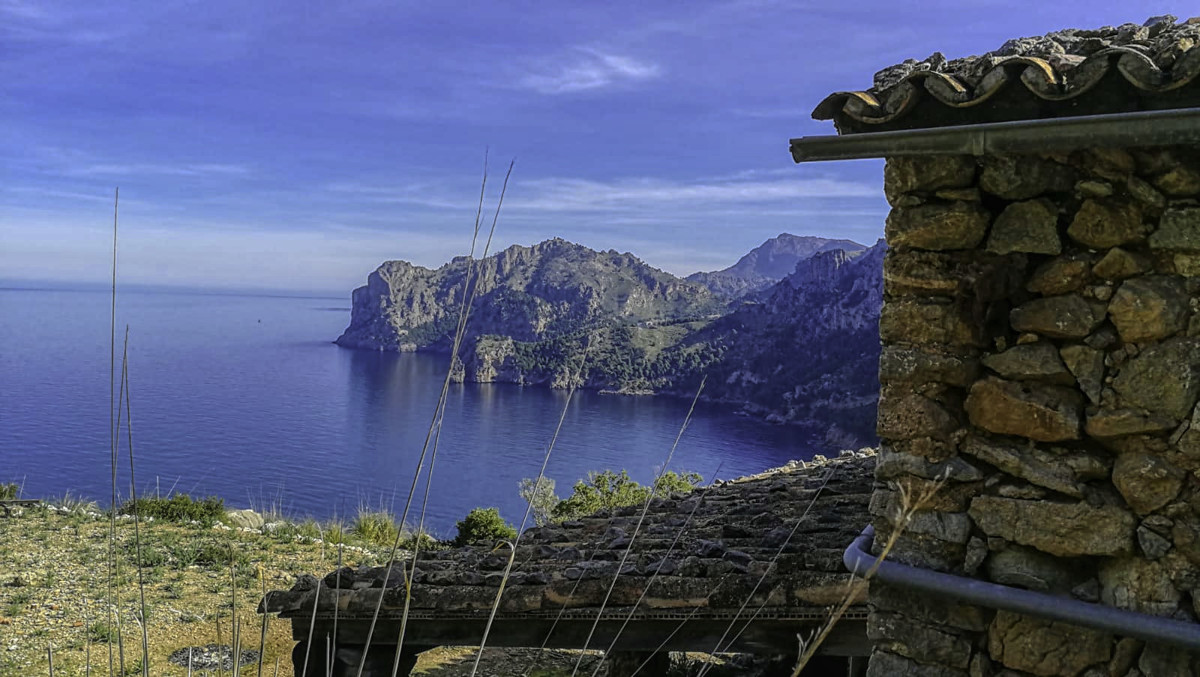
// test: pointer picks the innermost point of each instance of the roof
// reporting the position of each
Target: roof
(775, 539)
(1068, 73)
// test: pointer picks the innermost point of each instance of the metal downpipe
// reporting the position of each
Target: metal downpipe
(858, 558)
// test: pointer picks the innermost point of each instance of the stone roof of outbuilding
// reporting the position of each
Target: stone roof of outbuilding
(791, 523)
(1152, 66)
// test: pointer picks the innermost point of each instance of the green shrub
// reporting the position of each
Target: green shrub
(10, 491)
(484, 524)
(608, 490)
(378, 528)
(540, 497)
(177, 508)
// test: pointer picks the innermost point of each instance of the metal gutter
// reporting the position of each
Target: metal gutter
(858, 558)
(1140, 128)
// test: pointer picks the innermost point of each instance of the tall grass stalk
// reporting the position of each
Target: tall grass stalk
(766, 572)
(464, 313)
(262, 642)
(637, 528)
(910, 504)
(337, 593)
(678, 536)
(137, 534)
(112, 431)
(529, 508)
(313, 622)
(50, 657)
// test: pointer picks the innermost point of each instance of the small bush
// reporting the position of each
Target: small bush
(177, 508)
(10, 492)
(540, 497)
(608, 490)
(378, 528)
(483, 524)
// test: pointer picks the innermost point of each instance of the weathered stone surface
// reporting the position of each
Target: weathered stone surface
(926, 321)
(1160, 660)
(1139, 585)
(1125, 655)
(1063, 529)
(1152, 544)
(1087, 366)
(1179, 181)
(937, 227)
(1119, 264)
(1060, 275)
(1178, 229)
(1147, 482)
(1039, 412)
(1056, 472)
(1145, 193)
(919, 641)
(1044, 647)
(1164, 378)
(1089, 188)
(1030, 362)
(893, 464)
(246, 519)
(1150, 307)
(1187, 264)
(887, 664)
(952, 527)
(898, 364)
(1110, 423)
(1068, 316)
(1020, 177)
(1107, 222)
(942, 611)
(906, 416)
(1033, 570)
(924, 174)
(1030, 227)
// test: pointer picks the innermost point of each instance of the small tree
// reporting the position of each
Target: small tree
(608, 490)
(540, 497)
(483, 524)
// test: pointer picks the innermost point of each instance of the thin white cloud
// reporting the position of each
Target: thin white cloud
(590, 69)
(143, 169)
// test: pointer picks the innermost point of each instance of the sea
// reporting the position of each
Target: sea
(244, 396)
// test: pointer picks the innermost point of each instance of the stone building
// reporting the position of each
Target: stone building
(1041, 353)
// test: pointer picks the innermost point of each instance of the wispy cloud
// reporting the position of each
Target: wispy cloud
(143, 169)
(589, 69)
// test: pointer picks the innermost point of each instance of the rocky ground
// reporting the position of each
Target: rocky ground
(53, 587)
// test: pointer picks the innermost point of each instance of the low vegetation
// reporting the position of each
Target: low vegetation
(484, 524)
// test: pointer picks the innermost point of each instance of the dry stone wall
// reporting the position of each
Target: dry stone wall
(1041, 353)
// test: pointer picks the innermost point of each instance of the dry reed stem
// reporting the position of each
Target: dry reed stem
(637, 528)
(262, 642)
(909, 505)
(112, 432)
(137, 534)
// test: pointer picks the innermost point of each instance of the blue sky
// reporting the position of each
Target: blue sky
(296, 145)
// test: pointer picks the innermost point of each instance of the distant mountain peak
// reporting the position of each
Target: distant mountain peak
(769, 263)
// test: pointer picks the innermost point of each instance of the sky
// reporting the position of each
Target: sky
(295, 145)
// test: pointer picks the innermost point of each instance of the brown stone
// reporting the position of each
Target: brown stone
(898, 364)
(1178, 229)
(1087, 366)
(905, 416)
(1148, 482)
(1148, 308)
(1092, 188)
(904, 635)
(1187, 264)
(1062, 529)
(924, 174)
(1060, 275)
(1052, 471)
(1119, 264)
(926, 321)
(1139, 585)
(1160, 660)
(893, 465)
(1068, 316)
(1164, 378)
(1020, 177)
(1039, 412)
(1030, 226)
(921, 273)
(1045, 648)
(887, 664)
(1033, 570)
(1030, 362)
(1110, 423)
(1107, 222)
(1180, 181)
(937, 227)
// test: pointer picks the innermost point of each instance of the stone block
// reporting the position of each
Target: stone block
(898, 364)
(1179, 181)
(937, 227)
(1060, 275)
(1045, 648)
(1030, 227)
(1069, 316)
(1031, 362)
(1087, 366)
(905, 416)
(1149, 308)
(1164, 378)
(1044, 413)
(1178, 229)
(1020, 177)
(892, 464)
(1063, 529)
(1138, 585)
(925, 174)
(1107, 222)
(887, 664)
(1033, 570)
(1148, 482)
(904, 635)
(1119, 264)
(1106, 424)
(1052, 471)
(927, 321)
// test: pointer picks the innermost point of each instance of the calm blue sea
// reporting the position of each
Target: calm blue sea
(244, 397)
